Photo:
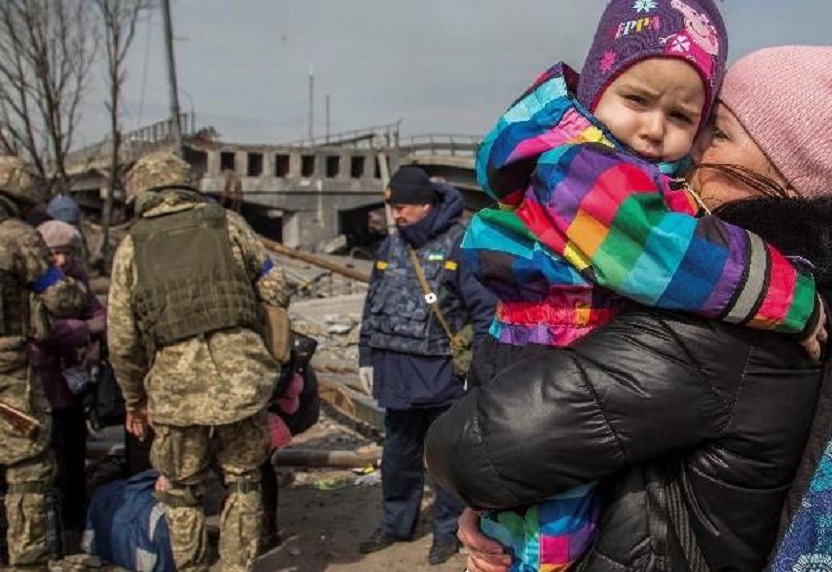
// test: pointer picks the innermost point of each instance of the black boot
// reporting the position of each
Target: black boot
(442, 550)
(379, 540)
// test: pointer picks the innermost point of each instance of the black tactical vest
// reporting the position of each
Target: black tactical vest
(400, 319)
(188, 281)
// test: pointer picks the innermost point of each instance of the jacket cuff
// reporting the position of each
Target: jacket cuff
(133, 401)
(365, 356)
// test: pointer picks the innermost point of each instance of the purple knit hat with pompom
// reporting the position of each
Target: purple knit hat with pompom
(633, 30)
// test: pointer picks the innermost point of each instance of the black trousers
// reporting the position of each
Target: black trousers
(137, 453)
(69, 443)
(403, 477)
(269, 490)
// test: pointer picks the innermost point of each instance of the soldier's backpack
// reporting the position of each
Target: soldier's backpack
(309, 406)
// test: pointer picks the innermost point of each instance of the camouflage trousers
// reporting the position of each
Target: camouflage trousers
(184, 456)
(29, 474)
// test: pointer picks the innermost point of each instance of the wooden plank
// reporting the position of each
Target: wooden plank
(355, 405)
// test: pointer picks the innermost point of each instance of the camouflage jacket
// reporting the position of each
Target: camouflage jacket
(214, 379)
(29, 285)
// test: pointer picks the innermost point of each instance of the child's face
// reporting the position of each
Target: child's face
(62, 257)
(655, 108)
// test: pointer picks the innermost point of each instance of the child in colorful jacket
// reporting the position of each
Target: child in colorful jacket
(592, 215)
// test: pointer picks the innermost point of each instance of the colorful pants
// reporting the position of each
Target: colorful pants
(549, 536)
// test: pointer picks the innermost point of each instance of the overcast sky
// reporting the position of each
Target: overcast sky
(441, 66)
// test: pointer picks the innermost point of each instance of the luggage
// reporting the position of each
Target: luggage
(126, 525)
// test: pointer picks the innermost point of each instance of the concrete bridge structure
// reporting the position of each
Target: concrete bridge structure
(305, 193)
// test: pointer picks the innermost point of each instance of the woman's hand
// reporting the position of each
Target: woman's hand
(484, 554)
(97, 325)
(816, 341)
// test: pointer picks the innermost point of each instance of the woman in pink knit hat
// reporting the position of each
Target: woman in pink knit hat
(774, 118)
(703, 435)
(63, 361)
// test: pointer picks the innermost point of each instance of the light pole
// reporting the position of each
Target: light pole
(191, 106)
(174, 99)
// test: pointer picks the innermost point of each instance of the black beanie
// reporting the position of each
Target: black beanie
(411, 186)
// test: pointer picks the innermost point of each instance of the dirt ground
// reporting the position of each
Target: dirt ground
(322, 528)
(323, 514)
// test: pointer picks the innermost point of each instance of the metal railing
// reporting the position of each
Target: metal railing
(452, 144)
(161, 130)
(388, 136)
(373, 137)
(136, 141)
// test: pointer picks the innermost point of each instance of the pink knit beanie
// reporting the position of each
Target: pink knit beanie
(58, 234)
(783, 98)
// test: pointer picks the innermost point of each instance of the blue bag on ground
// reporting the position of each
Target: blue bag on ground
(126, 525)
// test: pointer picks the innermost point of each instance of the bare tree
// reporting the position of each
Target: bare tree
(119, 18)
(46, 51)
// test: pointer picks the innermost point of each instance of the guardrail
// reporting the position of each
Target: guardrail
(388, 136)
(372, 137)
(451, 144)
(136, 142)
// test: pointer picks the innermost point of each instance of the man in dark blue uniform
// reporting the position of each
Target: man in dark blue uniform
(405, 352)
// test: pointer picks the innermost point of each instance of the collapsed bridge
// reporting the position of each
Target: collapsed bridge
(306, 193)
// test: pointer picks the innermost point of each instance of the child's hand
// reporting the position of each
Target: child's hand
(816, 341)
(484, 554)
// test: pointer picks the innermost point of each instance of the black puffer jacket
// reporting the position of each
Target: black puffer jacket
(726, 409)
(733, 405)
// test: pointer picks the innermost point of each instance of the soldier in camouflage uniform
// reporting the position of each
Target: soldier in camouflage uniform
(185, 343)
(29, 286)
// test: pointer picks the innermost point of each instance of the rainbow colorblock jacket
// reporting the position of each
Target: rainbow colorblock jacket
(583, 224)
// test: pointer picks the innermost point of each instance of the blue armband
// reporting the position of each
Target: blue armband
(267, 267)
(52, 277)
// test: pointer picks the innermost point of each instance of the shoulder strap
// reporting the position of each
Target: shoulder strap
(667, 510)
(680, 517)
(430, 297)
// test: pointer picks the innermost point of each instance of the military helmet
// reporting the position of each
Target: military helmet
(155, 171)
(17, 180)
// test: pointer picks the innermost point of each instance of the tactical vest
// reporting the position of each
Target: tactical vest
(188, 281)
(400, 319)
